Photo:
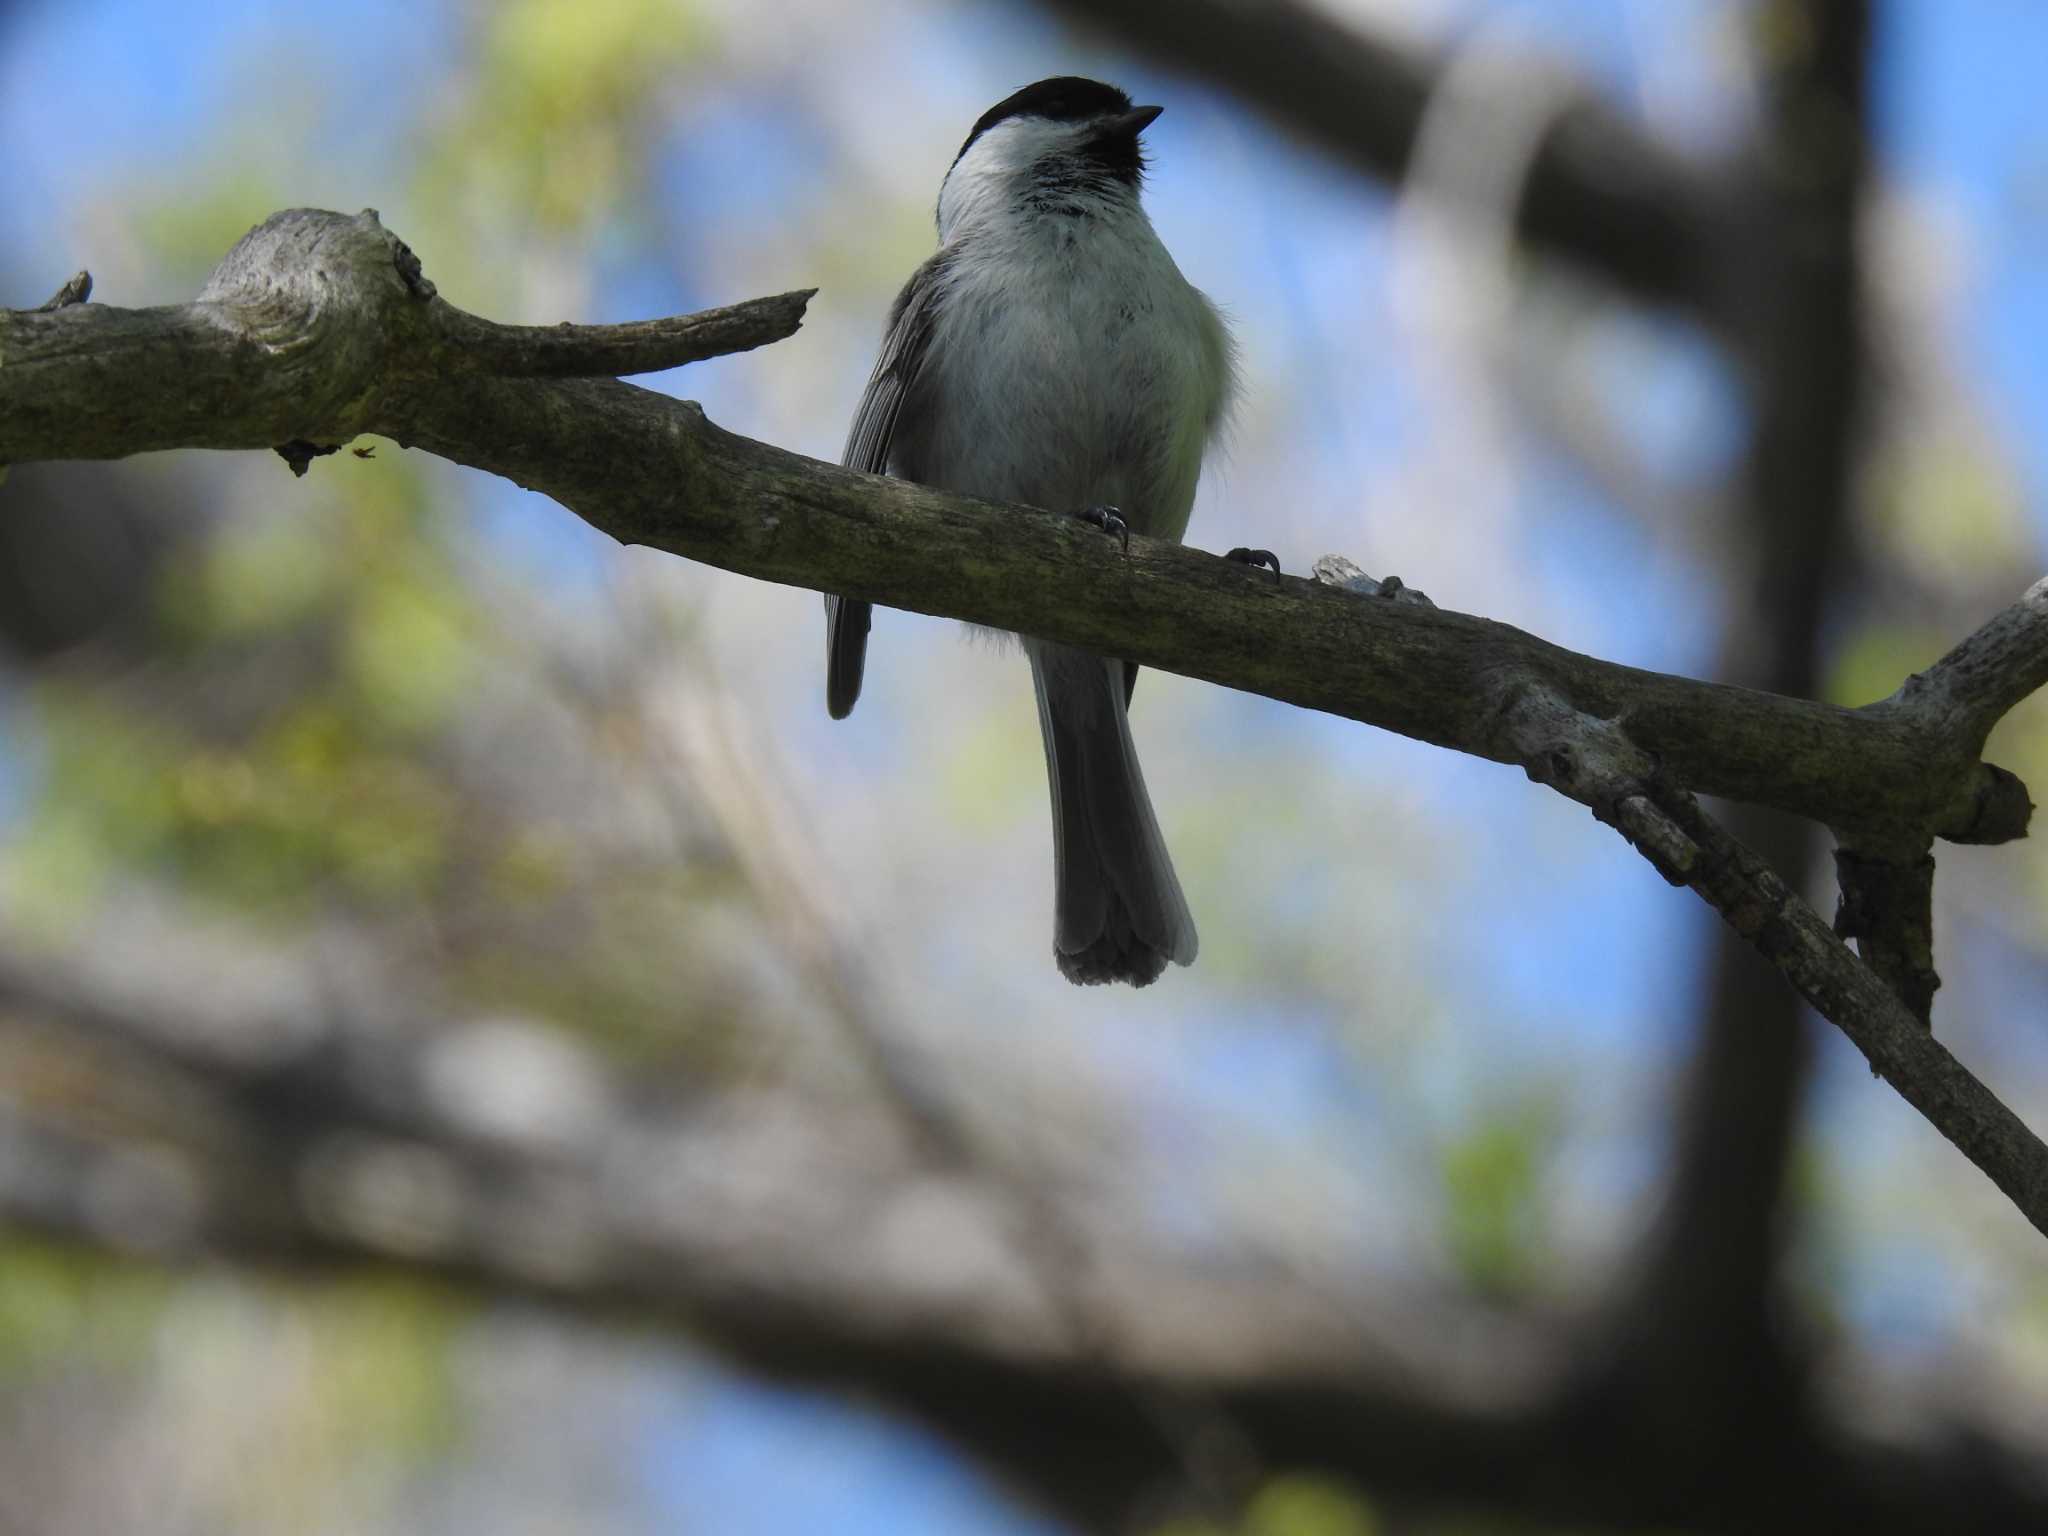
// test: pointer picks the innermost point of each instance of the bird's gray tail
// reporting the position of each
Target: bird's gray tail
(1118, 912)
(846, 652)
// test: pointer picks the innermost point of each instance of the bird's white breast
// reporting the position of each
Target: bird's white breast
(1071, 364)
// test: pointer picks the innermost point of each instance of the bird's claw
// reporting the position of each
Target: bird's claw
(1256, 557)
(1110, 520)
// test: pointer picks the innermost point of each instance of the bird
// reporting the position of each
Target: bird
(1050, 353)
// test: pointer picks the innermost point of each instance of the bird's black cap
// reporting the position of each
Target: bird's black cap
(1072, 99)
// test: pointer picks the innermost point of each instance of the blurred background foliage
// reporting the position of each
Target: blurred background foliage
(429, 741)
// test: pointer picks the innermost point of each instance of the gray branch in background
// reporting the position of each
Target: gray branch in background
(317, 327)
(1727, 1333)
(302, 1138)
(1600, 194)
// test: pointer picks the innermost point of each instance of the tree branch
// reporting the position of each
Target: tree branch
(1434, 675)
(317, 327)
(1668, 827)
(1887, 907)
(1595, 763)
(298, 338)
(310, 333)
(606, 351)
(1975, 685)
(76, 291)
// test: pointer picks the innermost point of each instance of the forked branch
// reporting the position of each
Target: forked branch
(318, 327)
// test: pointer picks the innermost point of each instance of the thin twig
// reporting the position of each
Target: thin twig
(76, 291)
(1689, 848)
(1887, 907)
(611, 351)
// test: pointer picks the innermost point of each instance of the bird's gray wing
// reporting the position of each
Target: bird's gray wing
(904, 348)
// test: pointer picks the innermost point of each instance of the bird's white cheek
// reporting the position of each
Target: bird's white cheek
(973, 193)
(982, 186)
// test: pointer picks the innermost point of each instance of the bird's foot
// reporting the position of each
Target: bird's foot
(1110, 521)
(1255, 558)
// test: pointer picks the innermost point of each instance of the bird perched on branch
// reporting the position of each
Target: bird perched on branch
(1051, 353)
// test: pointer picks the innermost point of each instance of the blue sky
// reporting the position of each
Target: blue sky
(1960, 94)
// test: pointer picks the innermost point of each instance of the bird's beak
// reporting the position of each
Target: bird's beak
(1127, 125)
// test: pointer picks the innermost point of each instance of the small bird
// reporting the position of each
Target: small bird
(1051, 353)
